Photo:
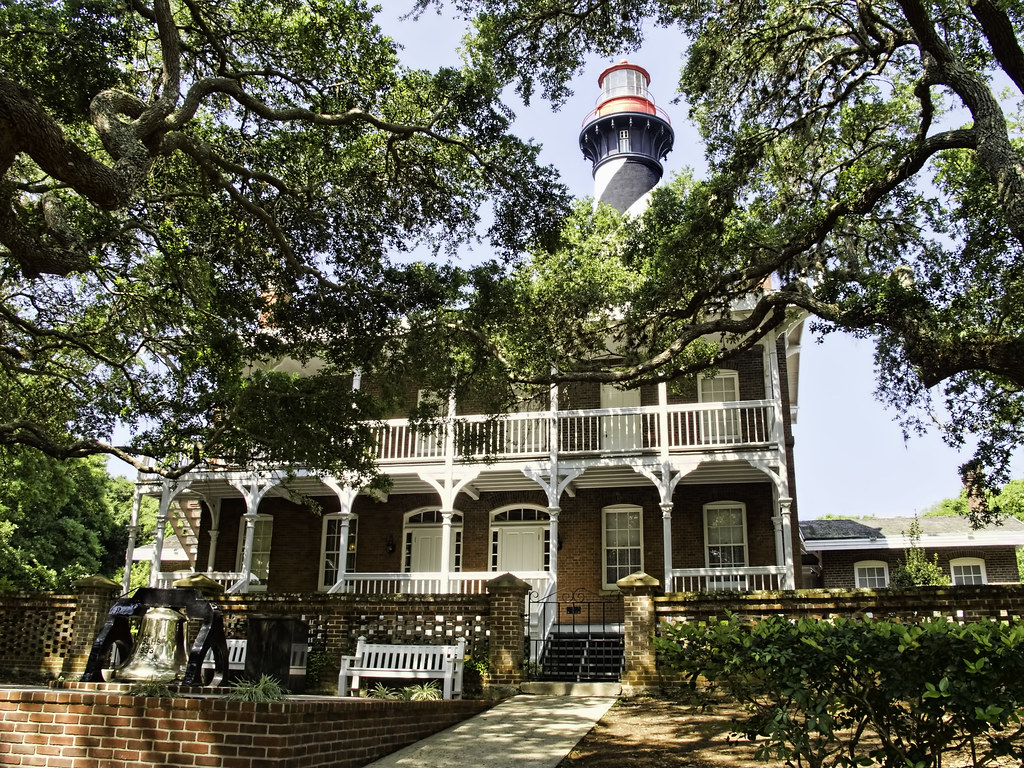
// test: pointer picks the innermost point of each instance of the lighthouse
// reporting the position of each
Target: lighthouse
(626, 137)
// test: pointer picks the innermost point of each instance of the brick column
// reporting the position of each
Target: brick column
(507, 629)
(640, 673)
(95, 596)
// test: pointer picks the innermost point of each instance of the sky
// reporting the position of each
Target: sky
(850, 455)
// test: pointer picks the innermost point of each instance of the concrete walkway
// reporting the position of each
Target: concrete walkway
(526, 731)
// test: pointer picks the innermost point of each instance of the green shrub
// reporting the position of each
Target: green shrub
(863, 692)
(263, 690)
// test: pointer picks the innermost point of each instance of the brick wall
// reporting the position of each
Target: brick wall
(35, 633)
(85, 729)
(837, 567)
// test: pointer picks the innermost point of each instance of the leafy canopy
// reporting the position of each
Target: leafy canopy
(198, 199)
(865, 168)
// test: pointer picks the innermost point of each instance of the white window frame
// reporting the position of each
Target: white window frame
(874, 564)
(615, 511)
(261, 520)
(533, 515)
(714, 507)
(332, 550)
(720, 426)
(967, 561)
(408, 526)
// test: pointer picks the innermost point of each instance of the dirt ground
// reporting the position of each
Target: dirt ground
(655, 733)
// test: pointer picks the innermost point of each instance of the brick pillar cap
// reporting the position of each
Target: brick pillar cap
(97, 582)
(202, 582)
(508, 581)
(638, 579)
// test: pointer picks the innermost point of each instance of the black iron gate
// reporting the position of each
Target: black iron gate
(574, 637)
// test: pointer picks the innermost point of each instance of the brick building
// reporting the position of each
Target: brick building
(692, 485)
(862, 553)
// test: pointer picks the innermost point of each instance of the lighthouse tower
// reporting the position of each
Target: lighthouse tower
(626, 137)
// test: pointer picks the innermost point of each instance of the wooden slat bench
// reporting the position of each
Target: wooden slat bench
(405, 662)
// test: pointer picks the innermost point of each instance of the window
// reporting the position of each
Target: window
(622, 535)
(262, 534)
(424, 532)
(330, 549)
(725, 536)
(967, 570)
(624, 141)
(720, 425)
(871, 574)
(520, 540)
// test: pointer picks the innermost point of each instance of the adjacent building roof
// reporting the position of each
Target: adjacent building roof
(892, 533)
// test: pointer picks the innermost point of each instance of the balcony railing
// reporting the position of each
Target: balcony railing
(594, 432)
(747, 579)
(427, 583)
(227, 579)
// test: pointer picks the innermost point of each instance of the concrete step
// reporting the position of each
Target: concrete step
(611, 690)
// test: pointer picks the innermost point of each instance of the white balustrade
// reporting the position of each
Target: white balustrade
(427, 583)
(748, 579)
(596, 432)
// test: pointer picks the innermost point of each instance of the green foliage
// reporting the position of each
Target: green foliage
(861, 691)
(150, 689)
(915, 569)
(428, 691)
(58, 521)
(871, 177)
(200, 199)
(266, 689)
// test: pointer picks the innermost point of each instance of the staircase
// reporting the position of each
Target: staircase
(184, 515)
(583, 657)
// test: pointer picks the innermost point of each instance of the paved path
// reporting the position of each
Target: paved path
(526, 731)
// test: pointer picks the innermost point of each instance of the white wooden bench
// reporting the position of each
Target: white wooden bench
(406, 662)
(236, 657)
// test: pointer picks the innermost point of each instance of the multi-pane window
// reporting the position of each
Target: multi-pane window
(261, 540)
(331, 548)
(624, 140)
(871, 574)
(967, 570)
(623, 543)
(726, 535)
(424, 535)
(720, 425)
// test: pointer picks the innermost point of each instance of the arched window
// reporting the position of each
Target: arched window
(331, 548)
(261, 542)
(422, 542)
(871, 574)
(520, 540)
(967, 570)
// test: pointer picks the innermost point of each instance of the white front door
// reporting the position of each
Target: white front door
(620, 432)
(520, 548)
(425, 549)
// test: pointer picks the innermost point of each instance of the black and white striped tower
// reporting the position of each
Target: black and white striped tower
(626, 137)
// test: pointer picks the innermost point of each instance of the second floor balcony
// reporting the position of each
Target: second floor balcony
(590, 433)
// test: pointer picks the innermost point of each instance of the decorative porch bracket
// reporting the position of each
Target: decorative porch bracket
(253, 488)
(665, 479)
(169, 489)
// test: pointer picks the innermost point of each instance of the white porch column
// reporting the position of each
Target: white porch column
(343, 534)
(663, 431)
(168, 491)
(446, 548)
(211, 555)
(250, 532)
(553, 513)
(133, 532)
(785, 505)
(666, 532)
(253, 489)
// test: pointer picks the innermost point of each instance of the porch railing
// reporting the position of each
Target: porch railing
(227, 579)
(596, 432)
(426, 583)
(749, 579)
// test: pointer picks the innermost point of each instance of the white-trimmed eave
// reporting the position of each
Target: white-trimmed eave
(933, 541)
